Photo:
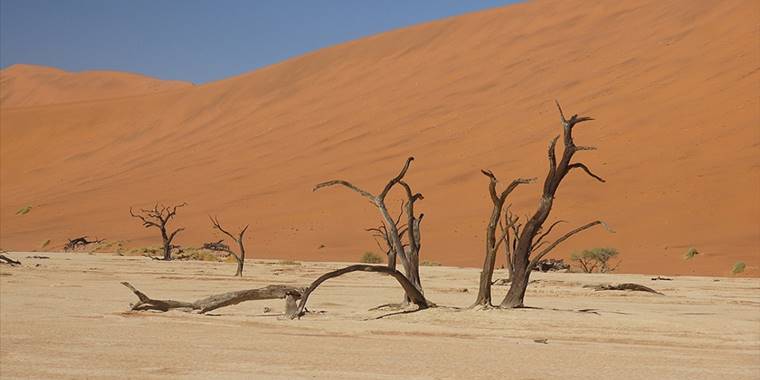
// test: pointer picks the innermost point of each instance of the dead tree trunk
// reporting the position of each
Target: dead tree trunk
(486, 275)
(159, 217)
(411, 290)
(219, 246)
(204, 305)
(390, 225)
(526, 254)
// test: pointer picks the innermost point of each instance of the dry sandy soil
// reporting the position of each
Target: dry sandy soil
(66, 317)
(673, 86)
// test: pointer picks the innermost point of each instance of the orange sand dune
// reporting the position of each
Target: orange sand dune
(31, 85)
(673, 86)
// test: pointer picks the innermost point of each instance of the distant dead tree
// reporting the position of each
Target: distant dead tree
(527, 249)
(82, 241)
(159, 217)
(409, 256)
(219, 246)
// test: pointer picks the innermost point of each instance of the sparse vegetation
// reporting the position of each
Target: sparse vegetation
(24, 210)
(738, 267)
(691, 253)
(45, 244)
(595, 259)
(428, 263)
(288, 262)
(371, 258)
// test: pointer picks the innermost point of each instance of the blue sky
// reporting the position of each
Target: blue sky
(194, 40)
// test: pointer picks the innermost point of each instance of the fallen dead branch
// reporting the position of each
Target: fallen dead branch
(412, 292)
(9, 261)
(625, 286)
(204, 305)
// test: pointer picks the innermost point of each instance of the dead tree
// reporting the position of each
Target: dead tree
(382, 233)
(75, 243)
(159, 217)
(221, 247)
(409, 259)
(492, 245)
(411, 290)
(529, 244)
(204, 305)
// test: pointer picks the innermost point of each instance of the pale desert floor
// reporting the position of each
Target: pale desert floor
(66, 317)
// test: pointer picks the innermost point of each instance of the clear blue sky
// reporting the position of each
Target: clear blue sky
(198, 40)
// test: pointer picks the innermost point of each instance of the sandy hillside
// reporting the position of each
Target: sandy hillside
(68, 314)
(673, 86)
(32, 85)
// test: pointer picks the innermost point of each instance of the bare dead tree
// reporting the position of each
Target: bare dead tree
(407, 258)
(526, 253)
(219, 246)
(75, 243)
(498, 199)
(159, 217)
(411, 290)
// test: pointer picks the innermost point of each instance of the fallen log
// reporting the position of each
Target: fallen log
(216, 301)
(414, 294)
(625, 286)
(7, 260)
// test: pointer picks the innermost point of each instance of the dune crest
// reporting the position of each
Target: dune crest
(33, 85)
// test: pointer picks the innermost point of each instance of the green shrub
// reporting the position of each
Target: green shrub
(739, 267)
(288, 262)
(691, 253)
(428, 263)
(371, 258)
(595, 259)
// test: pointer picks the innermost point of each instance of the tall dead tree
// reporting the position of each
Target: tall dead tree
(409, 258)
(221, 247)
(492, 244)
(530, 238)
(159, 217)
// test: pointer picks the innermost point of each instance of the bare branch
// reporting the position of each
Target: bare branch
(347, 184)
(396, 179)
(587, 170)
(561, 239)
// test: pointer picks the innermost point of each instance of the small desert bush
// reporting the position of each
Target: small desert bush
(428, 263)
(595, 259)
(738, 267)
(199, 254)
(288, 262)
(371, 258)
(144, 251)
(691, 253)
(24, 210)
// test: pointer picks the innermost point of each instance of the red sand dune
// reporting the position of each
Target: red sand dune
(673, 86)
